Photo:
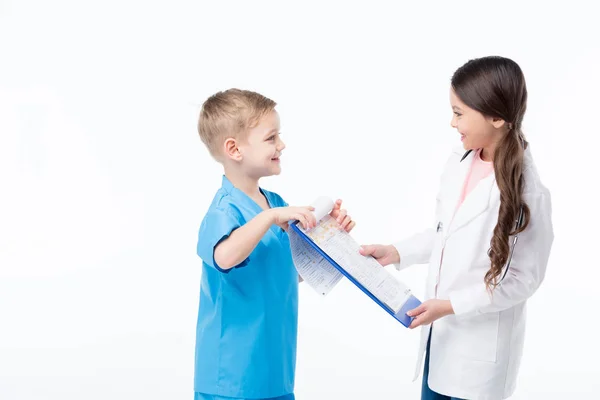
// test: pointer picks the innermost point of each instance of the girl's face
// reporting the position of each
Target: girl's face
(476, 130)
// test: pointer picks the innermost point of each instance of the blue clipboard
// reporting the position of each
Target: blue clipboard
(400, 316)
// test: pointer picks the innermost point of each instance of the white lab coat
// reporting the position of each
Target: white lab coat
(476, 353)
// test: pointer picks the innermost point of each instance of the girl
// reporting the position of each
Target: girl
(473, 322)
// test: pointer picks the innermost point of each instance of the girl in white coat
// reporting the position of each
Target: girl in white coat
(473, 319)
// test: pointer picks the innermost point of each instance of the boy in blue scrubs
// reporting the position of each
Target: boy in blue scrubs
(248, 314)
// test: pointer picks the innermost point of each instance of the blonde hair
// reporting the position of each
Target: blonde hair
(230, 114)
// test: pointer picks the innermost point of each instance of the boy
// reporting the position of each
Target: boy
(247, 319)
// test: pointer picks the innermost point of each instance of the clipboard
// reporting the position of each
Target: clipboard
(399, 316)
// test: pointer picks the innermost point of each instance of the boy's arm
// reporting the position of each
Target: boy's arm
(242, 241)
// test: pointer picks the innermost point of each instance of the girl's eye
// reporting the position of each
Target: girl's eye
(457, 114)
(271, 137)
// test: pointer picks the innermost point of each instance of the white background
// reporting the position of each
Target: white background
(104, 180)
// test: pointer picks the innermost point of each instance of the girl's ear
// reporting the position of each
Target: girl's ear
(232, 150)
(497, 122)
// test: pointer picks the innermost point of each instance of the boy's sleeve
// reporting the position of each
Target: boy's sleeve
(216, 227)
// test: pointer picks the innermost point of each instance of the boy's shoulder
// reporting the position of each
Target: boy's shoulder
(227, 201)
(224, 202)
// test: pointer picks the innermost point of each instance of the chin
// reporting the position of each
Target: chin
(466, 145)
(271, 172)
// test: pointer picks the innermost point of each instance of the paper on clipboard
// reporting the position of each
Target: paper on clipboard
(314, 269)
(339, 245)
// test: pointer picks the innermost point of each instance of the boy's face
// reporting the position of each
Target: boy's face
(262, 149)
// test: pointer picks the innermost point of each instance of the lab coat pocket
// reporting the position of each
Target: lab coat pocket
(479, 337)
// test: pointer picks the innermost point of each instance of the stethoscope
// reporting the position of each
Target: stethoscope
(517, 227)
(519, 223)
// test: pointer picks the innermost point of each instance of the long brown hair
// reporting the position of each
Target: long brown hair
(495, 86)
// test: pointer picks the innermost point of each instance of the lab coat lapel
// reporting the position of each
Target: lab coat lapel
(474, 204)
(452, 189)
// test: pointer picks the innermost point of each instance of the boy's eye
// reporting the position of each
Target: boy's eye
(457, 114)
(272, 137)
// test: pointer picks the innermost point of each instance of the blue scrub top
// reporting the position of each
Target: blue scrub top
(248, 315)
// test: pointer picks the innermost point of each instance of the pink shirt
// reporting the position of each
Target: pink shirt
(479, 170)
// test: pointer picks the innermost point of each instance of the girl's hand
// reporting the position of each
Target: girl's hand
(384, 254)
(430, 311)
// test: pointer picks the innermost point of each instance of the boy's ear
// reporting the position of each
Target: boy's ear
(231, 149)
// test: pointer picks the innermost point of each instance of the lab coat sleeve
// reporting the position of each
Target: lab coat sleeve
(527, 268)
(216, 227)
(415, 250)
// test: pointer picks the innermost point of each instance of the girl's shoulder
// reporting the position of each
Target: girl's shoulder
(534, 185)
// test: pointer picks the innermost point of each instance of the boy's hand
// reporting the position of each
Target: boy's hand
(385, 255)
(281, 216)
(341, 215)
